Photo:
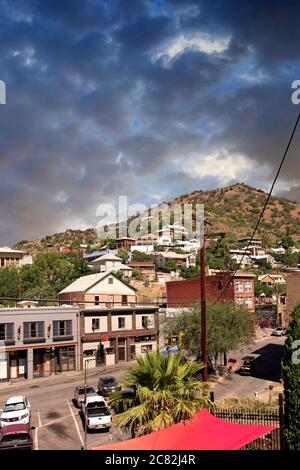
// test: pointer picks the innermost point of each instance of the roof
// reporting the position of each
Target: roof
(85, 282)
(172, 255)
(244, 274)
(145, 264)
(16, 399)
(107, 257)
(205, 432)
(7, 249)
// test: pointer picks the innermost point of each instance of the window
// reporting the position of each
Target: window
(95, 324)
(97, 300)
(62, 328)
(249, 302)
(121, 322)
(33, 330)
(124, 299)
(110, 280)
(6, 331)
(240, 300)
(2, 261)
(89, 352)
(248, 286)
(146, 348)
(145, 321)
(239, 286)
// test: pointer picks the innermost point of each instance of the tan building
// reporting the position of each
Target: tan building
(10, 257)
(146, 268)
(101, 290)
(113, 328)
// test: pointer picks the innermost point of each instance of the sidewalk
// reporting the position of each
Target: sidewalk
(64, 376)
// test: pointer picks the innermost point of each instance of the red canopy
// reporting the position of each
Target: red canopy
(205, 432)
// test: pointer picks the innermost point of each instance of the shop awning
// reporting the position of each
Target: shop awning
(205, 432)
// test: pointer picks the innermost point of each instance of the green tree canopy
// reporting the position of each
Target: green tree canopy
(229, 327)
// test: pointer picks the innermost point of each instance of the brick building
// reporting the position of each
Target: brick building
(187, 292)
(292, 292)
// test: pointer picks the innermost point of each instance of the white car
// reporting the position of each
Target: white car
(96, 412)
(16, 410)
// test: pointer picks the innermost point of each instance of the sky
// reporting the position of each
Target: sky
(144, 98)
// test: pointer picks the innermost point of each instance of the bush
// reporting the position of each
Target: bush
(291, 371)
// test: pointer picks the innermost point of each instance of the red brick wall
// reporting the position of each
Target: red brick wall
(185, 293)
(292, 293)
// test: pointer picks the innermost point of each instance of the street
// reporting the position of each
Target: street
(59, 424)
(269, 352)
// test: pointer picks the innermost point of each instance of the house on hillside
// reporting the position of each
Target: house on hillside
(182, 260)
(271, 279)
(113, 263)
(15, 258)
(146, 268)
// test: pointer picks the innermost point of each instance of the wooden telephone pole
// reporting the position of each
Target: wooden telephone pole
(204, 356)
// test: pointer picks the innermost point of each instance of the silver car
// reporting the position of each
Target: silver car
(79, 394)
(278, 332)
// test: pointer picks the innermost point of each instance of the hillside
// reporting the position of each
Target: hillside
(234, 209)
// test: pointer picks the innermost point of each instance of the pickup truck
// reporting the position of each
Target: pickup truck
(16, 437)
(247, 366)
(96, 412)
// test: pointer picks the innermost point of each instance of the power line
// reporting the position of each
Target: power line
(263, 210)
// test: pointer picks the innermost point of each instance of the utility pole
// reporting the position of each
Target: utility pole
(85, 407)
(203, 339)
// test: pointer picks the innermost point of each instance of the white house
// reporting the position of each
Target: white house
(113, 263)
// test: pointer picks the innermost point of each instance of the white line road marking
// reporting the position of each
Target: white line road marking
(76, 424)
(36, 447)
(39, 418)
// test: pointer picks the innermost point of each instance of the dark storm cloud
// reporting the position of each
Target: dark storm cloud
(114, 97)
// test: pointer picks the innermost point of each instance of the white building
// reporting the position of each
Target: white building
(113, 263)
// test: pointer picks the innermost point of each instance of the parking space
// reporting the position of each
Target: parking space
(58, 423)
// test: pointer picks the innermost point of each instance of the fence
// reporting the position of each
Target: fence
(271, 441)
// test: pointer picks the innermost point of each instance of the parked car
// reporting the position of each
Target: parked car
(96, 412)
(79, 394)
(16, 437)
(279, 331)
(107, 385)
(247, 365)
(16, 410)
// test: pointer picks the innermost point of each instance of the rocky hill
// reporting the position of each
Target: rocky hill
(234, 210)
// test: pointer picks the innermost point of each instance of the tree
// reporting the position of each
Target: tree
(163, 393)
(9, 283)
(140, 256)
(218, 256)
(229, 327)
(171, 265)
(291, 371)
(287, 242)
(191, 271)
(123, 254)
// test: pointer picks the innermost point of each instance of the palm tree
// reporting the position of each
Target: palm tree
(158, 392)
